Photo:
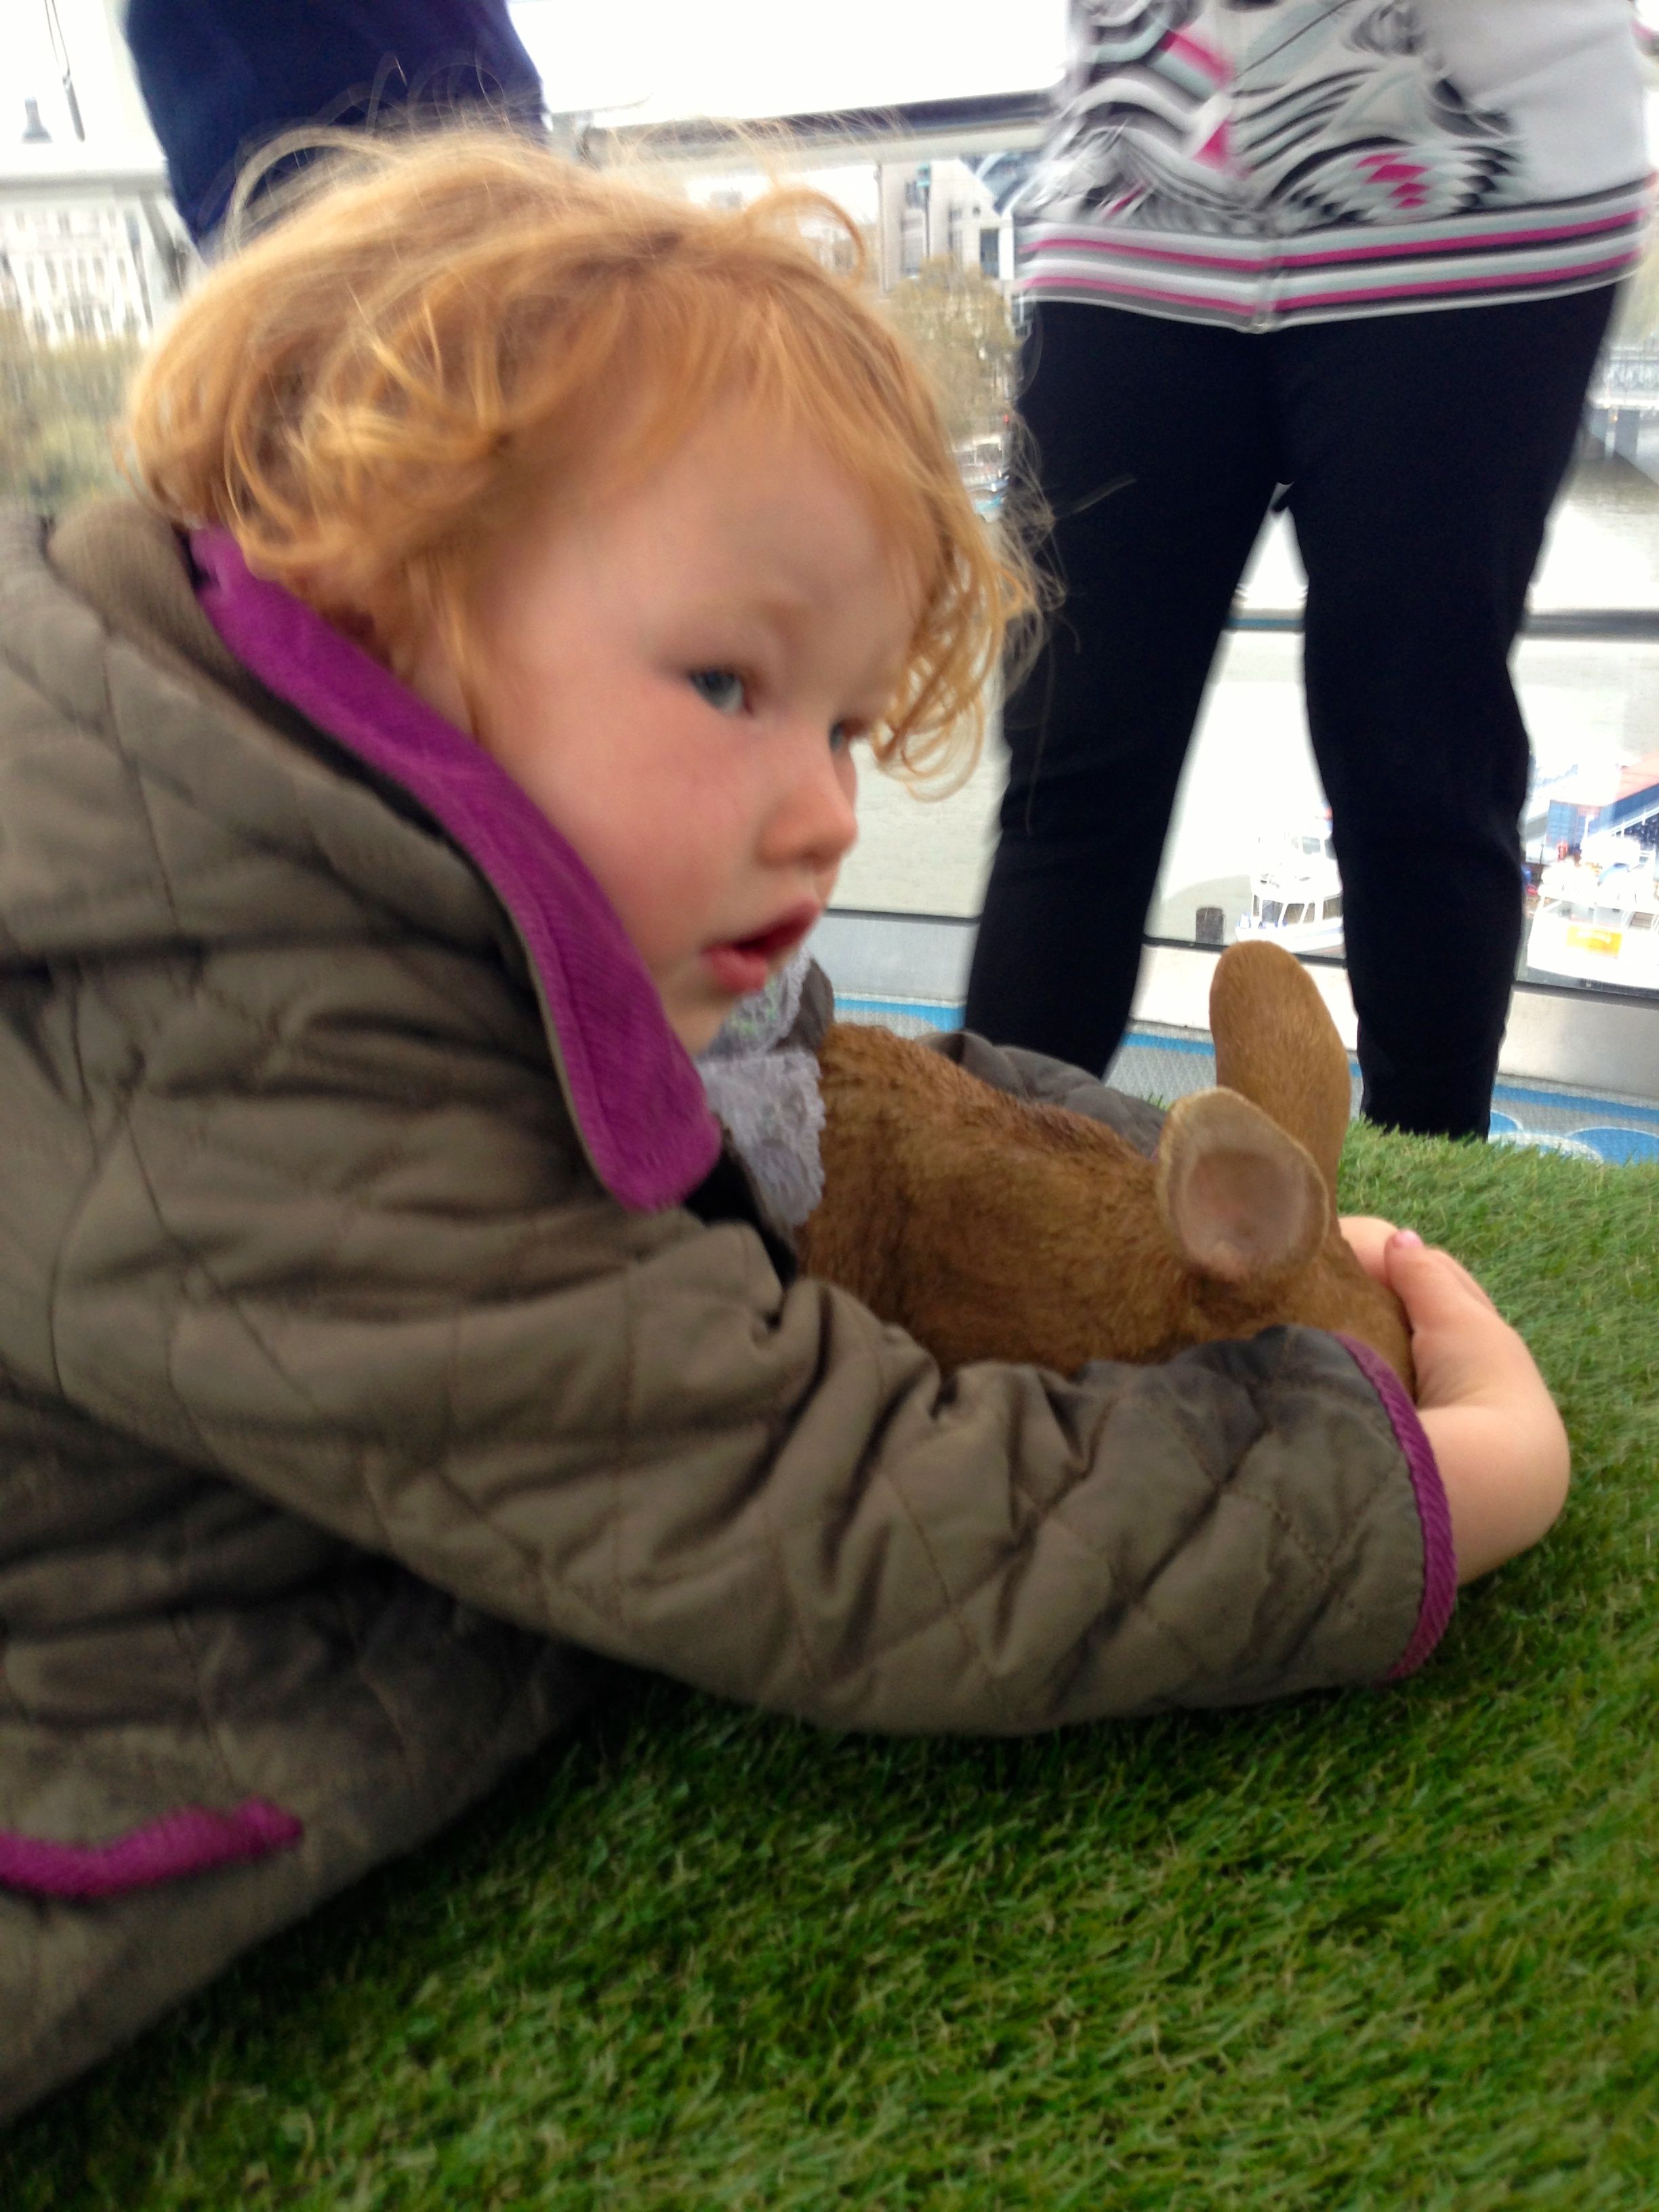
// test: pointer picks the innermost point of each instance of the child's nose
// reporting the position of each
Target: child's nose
(816, 820)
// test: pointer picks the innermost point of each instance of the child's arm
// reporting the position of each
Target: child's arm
(371, 1278)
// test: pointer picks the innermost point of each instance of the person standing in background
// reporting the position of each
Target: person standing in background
(221, 82)
(1366, 250)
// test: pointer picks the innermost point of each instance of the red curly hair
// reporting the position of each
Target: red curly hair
(443, 328)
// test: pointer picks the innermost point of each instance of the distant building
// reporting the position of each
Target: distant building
(940, 211)
(95, 257)
(76, 268)
(90, 247)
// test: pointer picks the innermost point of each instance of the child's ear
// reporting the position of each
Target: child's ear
(1242, 1202)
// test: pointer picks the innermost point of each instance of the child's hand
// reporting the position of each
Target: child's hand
(1368, 1236)
(1502, 1450)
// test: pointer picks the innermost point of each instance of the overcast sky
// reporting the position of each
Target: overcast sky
(672, 57)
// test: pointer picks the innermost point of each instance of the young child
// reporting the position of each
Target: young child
(393, 805)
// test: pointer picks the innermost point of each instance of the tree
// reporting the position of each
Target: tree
(56, 406)
(958, 321)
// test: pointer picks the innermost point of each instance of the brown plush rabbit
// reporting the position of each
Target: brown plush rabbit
(993, 1228)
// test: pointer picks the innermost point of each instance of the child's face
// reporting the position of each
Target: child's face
(675, 673)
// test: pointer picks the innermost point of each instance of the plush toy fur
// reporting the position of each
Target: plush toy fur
(991, 1228)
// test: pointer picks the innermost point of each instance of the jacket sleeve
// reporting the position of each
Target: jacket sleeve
(1052, 1083)
(359, 1266)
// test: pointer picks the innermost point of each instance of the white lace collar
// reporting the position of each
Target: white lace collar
(765, 1091)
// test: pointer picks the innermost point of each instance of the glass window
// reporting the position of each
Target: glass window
(1250, 835)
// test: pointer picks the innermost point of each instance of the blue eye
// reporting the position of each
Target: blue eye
(723, 688)
(841, 736)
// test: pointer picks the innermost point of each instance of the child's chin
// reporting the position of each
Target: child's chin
(696, 1027)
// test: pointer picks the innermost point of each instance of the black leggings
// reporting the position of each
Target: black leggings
(1423, 452)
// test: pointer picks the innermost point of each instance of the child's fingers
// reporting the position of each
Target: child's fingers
(1436, 1291)
(1466, 1354)
(1367, 1236)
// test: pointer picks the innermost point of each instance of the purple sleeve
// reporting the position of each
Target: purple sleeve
(1439, 1557)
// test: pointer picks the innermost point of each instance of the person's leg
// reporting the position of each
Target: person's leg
(1424, 452)
(1157, 461)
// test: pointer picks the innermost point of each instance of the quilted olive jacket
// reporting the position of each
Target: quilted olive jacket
(373, 1349)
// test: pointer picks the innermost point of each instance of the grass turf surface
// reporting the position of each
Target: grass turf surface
(1390, 1949)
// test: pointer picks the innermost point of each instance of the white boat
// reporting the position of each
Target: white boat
(1296, 892)
(1597, 919)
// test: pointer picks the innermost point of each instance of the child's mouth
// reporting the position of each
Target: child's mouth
(743, 964)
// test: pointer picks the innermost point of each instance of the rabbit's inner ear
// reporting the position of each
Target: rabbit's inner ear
(1242, 1199)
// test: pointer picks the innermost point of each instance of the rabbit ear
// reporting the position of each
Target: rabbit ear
(1242, 1202)
(1276, 1045)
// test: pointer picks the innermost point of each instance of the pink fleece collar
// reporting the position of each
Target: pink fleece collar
(638, 1101)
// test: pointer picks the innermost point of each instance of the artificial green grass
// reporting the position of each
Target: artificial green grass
(1392, 1949)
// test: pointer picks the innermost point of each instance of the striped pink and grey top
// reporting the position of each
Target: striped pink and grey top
(1258, 163)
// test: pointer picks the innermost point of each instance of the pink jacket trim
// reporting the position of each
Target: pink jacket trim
(1439, 1556)
(1455, 286)
(191, 1841)
(638, 1101)
(1049, 285)
(1255, 263)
